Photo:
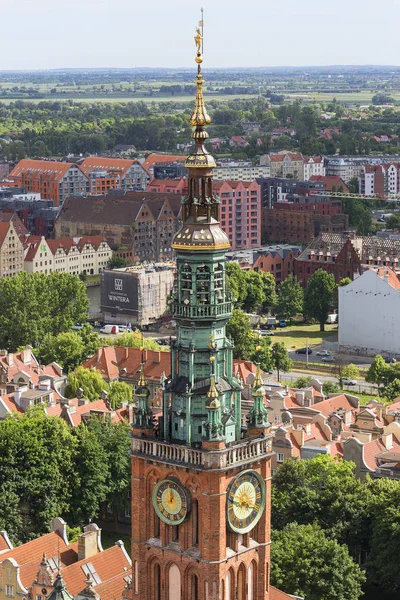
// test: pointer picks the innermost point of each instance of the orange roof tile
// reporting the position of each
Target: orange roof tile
(29, 570)
(116, 166)
(55, 170)
(113, 588)
(3, 543)
(332, 404)
(4, 227)
(392, 278)
(330, 180)
(110, 360)
(107, 564)
(154, 158)
(275, 594)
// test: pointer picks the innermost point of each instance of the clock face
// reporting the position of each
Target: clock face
(171, 502)
(245, 501)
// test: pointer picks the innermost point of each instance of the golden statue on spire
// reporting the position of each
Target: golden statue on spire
(199, 116)
(198, 38)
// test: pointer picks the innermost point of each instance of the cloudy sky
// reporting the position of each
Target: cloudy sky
(42, 34)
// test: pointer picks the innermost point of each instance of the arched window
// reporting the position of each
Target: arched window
(157, 582)
(195, 587)
(186, 277)
(219, 283)
(195, 522)
(156, 526)
(174, 583)
(251, 581)
(241, 582)
(229, 585)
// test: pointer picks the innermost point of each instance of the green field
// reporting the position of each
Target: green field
(349, 97)
(296, 336)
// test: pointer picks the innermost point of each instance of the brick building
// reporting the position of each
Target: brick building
(279, 262)
(240, 212)
(106, 174)
(296, 226)
(154, 159)
(168, 186)
(53, 180)
(346, 254)
(142, 223)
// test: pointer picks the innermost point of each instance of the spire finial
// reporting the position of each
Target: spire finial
(199, 116)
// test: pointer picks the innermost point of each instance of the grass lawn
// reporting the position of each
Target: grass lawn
(296, 336)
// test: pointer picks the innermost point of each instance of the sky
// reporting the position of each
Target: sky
(46, 34)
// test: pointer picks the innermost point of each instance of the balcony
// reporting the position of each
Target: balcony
(243, 452)
(202, 311)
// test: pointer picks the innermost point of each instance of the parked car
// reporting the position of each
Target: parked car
(304, 351)
(77, 327)
(262, 332)
(110, 329)
(327, 359)
(348, 381)
(282, 323)
(323, 353)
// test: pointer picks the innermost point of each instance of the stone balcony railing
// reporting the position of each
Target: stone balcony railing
(199, 311)
(247, 450)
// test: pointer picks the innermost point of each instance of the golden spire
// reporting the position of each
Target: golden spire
(142, 380)
(199, 116)
(258, 382)
(212, 392)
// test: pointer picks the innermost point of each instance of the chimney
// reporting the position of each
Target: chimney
(26, 355)
(44, 385)
(87, 545)
(126, 353)
(10, 359)
(104, 395)
(300, 398)
(387, 440)
(79, 393)
(298, 435)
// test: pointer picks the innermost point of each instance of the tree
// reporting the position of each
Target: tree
(328, 387)
(247, 344)
(66, 349)
(280, 358)
(351, 371)
(34, 304)
(344, 281)
(236, 282)
(119, 392)
(269, 285)
(290, 298)
(302, 382)
(89, 380)
(117, 262)
(318, 296)
(92, 472)
(305, 562)
(392, 390)
(255, 296)
(378, 372)
(133, 339)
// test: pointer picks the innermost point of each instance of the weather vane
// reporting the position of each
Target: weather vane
(198, 38)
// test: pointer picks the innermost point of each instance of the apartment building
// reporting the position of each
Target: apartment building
(89, 254)
(380, 180)
(11, 250)
(240, 212)
(279, 262)
(313, 165)
(278, 189)
(282, 165)
(239, 171)
(106, 174)
(299, 227)
(154, 159)
(51, 179)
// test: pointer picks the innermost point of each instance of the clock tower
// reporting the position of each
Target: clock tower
(201, 478)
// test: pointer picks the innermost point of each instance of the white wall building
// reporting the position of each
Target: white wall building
(313, 165)
(369, 314)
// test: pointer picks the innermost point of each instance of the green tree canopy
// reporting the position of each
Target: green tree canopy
(89, 380)
(306, 562)
(318, 296)
(290, 298)
(236, 282)
(329, 387)
(280, 358)
(378, 372)
(269, 285)
(255, 287)
(34, 304)
(66, 349)
(247, 344)
(119, 392)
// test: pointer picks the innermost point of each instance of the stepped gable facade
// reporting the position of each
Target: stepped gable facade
(143, 222)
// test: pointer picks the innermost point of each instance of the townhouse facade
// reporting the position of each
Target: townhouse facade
(89, 254)
(284, 224)
(280, 263)
(240, 171)
(380, 180)
(282, 165)
(168, 186)
(106, 174)
(11, 250)
(52, 180)
(313, 165)
(240, 212)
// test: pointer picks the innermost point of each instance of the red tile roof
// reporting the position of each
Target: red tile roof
(275, 594)
(110, 360)
(333, 404)
(115, 166)
(7, 217)
(3, 543)
(4, 227)
(280, 157)
(90, 408)
(112, 588)
(330, 181)
(107, 564)
(55, 170)
(392, 278)
(154, 158)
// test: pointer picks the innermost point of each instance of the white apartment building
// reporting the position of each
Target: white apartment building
(114, 173)
(240, 172)
(89, 254)
(313, 165)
